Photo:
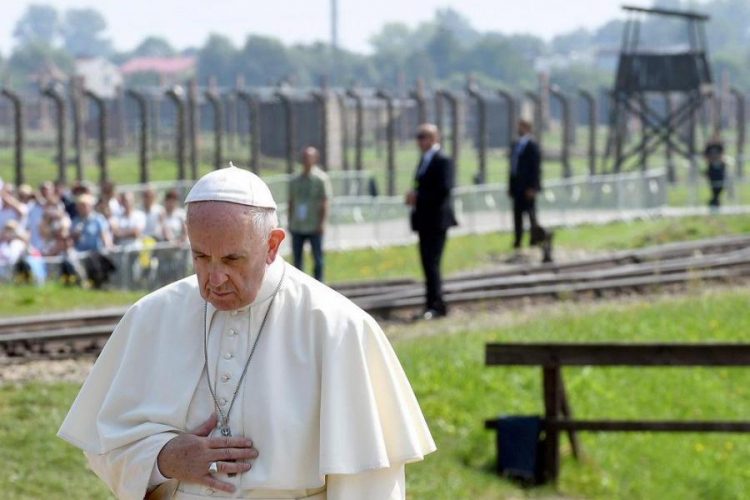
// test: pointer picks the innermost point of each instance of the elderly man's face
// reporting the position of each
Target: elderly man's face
(229, 257)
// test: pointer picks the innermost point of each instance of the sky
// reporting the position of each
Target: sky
(189, 22)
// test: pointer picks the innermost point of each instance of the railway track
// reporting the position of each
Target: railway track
(645, 270)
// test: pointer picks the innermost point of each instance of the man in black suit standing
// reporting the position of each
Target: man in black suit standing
(432, 213)
(525, 179)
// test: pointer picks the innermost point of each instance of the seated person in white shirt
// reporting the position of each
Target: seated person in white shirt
(174, 227)
(128, 227)
(13, 247)
(155, 216)
(11, 208)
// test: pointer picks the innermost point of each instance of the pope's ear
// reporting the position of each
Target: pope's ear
(274, 243)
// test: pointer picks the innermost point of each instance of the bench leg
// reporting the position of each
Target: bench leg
(552, 407)
(568, 413)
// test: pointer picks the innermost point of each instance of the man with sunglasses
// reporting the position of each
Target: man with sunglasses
(432, 213)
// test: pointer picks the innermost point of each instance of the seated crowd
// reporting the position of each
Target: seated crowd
(55, 221)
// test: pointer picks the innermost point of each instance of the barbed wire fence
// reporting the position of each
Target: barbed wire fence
(167, 137)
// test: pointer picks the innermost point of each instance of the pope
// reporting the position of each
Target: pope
(248, 379)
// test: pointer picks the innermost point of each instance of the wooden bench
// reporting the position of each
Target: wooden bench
(557, 414)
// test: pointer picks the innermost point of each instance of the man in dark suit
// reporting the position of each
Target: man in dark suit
(525, 179)
(432, 213)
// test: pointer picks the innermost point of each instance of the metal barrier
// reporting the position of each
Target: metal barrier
(381, 221)
(364, 221)
(692, 189)
(145, 267)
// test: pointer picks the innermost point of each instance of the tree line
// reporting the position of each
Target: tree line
(443, 51)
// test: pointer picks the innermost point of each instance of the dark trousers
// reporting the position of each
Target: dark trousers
(715, 200)
(520, 206)
(431, 245)
(316, 243)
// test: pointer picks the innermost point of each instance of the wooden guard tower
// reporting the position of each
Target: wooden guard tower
(643, 72)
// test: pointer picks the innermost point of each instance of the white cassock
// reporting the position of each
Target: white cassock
(325, 399)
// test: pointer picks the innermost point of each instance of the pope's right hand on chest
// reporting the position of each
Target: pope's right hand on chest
(199, 458)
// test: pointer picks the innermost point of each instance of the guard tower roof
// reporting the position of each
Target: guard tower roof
(668, 12)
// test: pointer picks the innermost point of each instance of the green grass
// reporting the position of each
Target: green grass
(35, 463)
(624, 236)
(683, 195)
(456, 393)
(462, 253)
(478, 251)
(30, 300)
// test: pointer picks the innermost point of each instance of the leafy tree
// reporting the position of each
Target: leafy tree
(459, 26)
(419, 64)
(356, 68)
(609, 35)
(34, 58)
(265, 60)
(393, 39)
(578, 40)
(728, 28)
(83, 31)
(445, 51)
(312, 63)
(529, 47)
(154, 46)
(39, 24)
(218, 58)
(495, 56)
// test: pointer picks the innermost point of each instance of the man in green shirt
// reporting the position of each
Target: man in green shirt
(309, 200)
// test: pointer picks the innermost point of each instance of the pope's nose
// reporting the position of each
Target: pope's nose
(216, 277)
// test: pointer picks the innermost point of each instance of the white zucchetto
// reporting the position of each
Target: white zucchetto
(233, 185)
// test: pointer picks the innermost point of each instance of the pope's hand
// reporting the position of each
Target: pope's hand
(188, 456)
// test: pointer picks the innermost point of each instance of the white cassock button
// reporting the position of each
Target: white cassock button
(232, 333)
(223, 402)
(228, 355)
(225, 378)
